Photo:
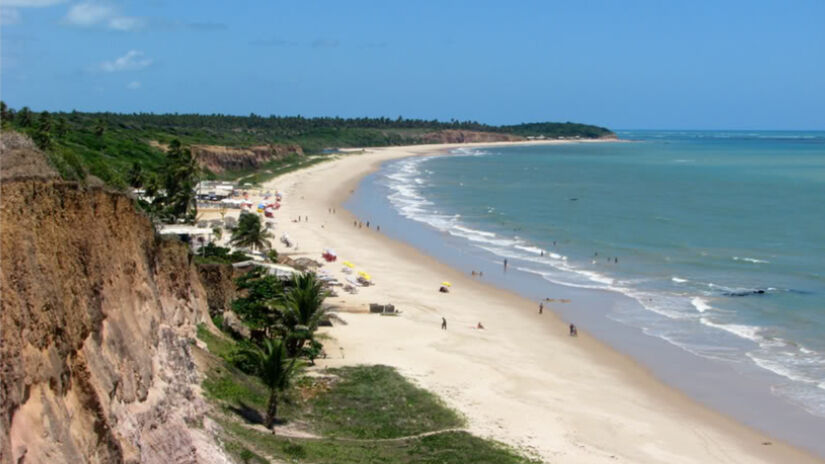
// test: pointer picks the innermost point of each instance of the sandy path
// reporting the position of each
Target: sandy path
(522, 380)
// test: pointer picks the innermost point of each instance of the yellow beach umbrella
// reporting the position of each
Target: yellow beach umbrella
(348, 264)
(446, 284)
(365, 275)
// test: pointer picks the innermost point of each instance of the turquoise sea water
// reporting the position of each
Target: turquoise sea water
(719, 235)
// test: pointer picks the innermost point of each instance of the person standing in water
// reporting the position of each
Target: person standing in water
(505, 264)
(443, 323)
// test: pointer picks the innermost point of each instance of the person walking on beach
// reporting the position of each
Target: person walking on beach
(541, 308)
(573, 331)
(443, 323)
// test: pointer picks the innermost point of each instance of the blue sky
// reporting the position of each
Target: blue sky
(628, 64)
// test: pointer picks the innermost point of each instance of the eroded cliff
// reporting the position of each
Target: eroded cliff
(465, 136)
(219, 158)
(98, 316)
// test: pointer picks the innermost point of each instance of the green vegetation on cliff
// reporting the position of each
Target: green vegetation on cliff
(110, 145)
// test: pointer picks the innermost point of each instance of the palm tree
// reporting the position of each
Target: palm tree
(276, 370)
(135, 175)
(302, 310)
(250, 233)
(24, 117)
(180, 179)
(99, 127)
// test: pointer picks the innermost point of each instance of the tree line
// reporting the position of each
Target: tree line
(290, 126)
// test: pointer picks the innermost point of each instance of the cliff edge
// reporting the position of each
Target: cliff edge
(97, 319)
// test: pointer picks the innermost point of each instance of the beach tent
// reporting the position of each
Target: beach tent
(330, 255)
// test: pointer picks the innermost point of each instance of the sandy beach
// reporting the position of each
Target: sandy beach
(521, 380)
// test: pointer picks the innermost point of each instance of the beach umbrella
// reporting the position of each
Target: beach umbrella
(348, 264)
(446, 284)
(365, 275)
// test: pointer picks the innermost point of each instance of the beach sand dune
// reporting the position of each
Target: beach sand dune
(522, 379)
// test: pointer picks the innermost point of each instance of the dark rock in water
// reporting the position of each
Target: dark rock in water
(757, 291)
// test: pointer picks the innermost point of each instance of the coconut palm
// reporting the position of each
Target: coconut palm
(276, 370)
(302, 310)
(180, 178)
(250, 233)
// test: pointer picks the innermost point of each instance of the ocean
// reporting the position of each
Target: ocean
(719, 236)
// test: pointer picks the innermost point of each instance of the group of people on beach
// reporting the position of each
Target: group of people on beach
(361, 224)
(479, 326)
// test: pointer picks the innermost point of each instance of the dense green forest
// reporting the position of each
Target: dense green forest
(110, 145)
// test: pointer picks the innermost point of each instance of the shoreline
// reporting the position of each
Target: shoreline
(592, 403)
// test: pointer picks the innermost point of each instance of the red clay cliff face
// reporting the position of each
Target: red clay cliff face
(97, 316)
(218, 158)
(463, 136)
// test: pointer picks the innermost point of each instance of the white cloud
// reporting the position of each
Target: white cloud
(125, 23)
(133, 60)
(9, 16)
(32, 3)
(134, 85)
(87, 14)
(92, 13)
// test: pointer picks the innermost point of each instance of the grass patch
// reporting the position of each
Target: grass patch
(446, 448)
(218, 345)
(243, 454)
(377, 402)
(244, 394)
(240, 392)
(367, 414)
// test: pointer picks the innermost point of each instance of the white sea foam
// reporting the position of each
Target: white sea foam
(466, 151)
(700, 304)
(530, 249)
(747, 332)
(474, 231)
(751, 260)
(678, 280)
